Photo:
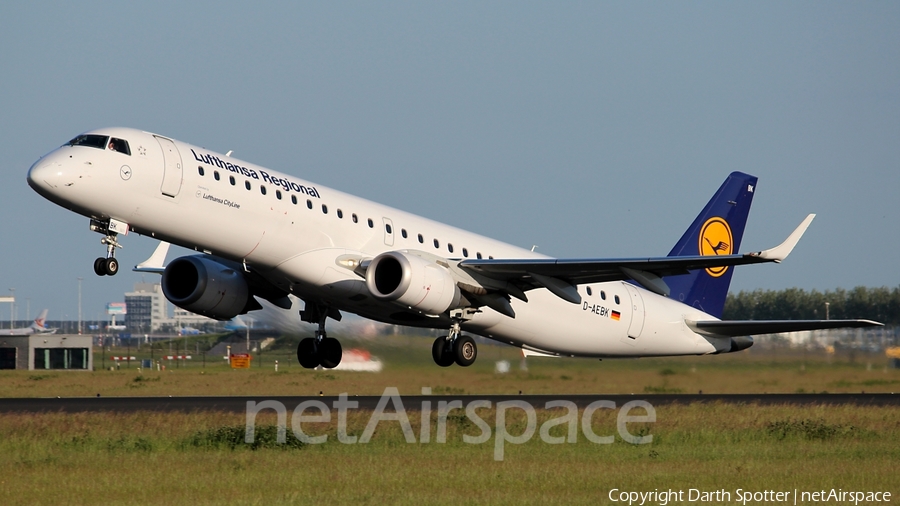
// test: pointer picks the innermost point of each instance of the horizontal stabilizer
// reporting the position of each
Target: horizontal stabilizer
(755, 327)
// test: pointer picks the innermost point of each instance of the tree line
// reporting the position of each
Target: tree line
(880, 304)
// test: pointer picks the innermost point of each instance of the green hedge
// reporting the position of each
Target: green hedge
(881, 304)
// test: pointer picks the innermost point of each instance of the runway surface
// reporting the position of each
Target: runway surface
(414, 402)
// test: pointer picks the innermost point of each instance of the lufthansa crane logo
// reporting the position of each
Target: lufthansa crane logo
(715, 240)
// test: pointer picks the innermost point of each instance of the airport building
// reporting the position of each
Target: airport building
(147, 308)
(46, 352)
(148, 311)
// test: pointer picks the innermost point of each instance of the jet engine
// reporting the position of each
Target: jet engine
(412, 281)
(207, 287)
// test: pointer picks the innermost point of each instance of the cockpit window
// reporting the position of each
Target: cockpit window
(119, 145)
(90, 140)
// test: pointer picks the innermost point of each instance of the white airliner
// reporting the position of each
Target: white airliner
(266, 234)
(37, 327)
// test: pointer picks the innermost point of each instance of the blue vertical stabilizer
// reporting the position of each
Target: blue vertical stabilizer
(716, 231)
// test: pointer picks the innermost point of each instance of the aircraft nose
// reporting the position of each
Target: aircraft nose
(43, 175)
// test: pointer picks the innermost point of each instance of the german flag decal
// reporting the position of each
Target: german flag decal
(615, 315)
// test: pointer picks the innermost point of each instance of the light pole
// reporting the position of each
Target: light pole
(12, 308)
(827, 316)
(79, 306)
(27, 308)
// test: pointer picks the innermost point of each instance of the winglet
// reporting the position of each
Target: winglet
(156, 260)
(780, 252)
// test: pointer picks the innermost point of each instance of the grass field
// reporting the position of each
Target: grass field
(199, 458)
(408, 367)
(150, 458)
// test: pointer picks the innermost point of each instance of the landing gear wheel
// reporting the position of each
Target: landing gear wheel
(464, 351)
(111, 265)
(306, 353)
(330, 352)
(100, 266)
(440, 353)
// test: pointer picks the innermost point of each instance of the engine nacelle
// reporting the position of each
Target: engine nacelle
(205, 287)
(413, 282)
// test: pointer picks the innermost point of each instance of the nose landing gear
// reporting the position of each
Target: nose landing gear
(108, 266)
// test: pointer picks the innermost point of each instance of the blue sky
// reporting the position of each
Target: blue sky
(589, 129)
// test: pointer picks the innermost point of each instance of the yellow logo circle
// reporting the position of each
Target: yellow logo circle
(715, 240)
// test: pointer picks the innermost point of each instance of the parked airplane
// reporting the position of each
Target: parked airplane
(38, 327)
(236, 323)
(266, 234)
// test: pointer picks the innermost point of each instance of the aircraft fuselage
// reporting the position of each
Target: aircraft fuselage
(294, 231)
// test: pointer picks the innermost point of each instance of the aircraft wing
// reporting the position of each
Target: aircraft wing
(737, 328)
(155, 263)
(560, 275)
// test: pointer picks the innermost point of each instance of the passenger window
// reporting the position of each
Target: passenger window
(617, 299)
(324, 209)
(231, 180)
(589, 291)
(387, 228)
(309, 203)
(294, 199)
(478, 256)
(490, 257)
(278, 194)
(201, 171)
(449, 247)
(437, 244)
(119, 145)
(340, 213)
(421, 239)
(403, 232)
(371, 224)
(354, 218)
(262, 189)
(602, 295)
(216, 175)
(247, 184)
(465, 253)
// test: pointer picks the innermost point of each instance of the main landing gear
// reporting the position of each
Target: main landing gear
(320, 350)
(455, 347)
(108, 266)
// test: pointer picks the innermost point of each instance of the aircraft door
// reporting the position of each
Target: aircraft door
(388, 232)
(172, 168)
(637, 311)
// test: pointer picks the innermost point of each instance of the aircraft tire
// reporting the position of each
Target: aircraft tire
(306, 353)
(112, 266)
(330, 353)
(465, 351)
(100, 266)
(440, 354)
